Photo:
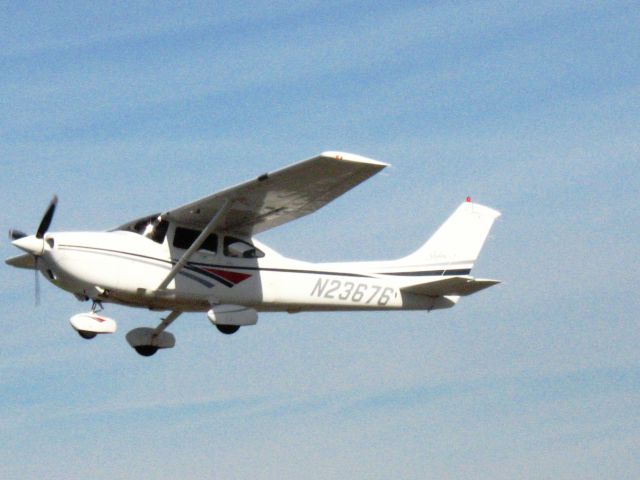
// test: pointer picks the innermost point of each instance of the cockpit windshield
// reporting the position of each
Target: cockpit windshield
(152, 227)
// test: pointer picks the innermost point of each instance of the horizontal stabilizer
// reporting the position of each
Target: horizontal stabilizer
(22, 261)
(450, 286)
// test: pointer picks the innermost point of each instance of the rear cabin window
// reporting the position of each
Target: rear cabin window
(234, 247)
(184, 238)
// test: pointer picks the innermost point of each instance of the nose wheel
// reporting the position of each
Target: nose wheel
(96, 307)
(89, 325)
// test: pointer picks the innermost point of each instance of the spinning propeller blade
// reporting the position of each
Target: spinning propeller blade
(15, 234)
(45, 223)
(37, 286)
(35, 244)
(48, 216)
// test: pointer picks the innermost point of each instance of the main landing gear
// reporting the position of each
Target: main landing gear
(228, 329)
(229, 318)
(147, 341)
(146, 350)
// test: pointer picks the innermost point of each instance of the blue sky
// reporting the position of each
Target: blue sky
(532, 109)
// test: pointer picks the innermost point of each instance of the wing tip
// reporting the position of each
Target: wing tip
(352, 157)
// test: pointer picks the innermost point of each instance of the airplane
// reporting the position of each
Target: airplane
(204, 257)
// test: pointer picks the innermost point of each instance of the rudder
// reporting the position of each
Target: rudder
(459, 239)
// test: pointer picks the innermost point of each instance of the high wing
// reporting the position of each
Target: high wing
(278, 197)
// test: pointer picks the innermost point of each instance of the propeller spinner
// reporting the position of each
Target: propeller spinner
(34, 244)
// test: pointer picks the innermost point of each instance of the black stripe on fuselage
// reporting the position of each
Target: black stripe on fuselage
(201, 271)
(430, 273)
(197, 279)
(281, 270)
(198, 267)
(160, 260)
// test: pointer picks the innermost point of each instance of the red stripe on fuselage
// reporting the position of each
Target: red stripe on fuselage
(233, 277)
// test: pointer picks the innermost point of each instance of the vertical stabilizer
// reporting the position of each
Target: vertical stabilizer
(458, 240)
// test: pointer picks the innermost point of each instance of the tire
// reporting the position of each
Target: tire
(146, 350)
(228, 329)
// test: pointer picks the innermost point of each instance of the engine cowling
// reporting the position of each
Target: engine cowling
(232, 315)
(93, 323)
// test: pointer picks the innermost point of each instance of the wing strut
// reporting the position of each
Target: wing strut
(213, 223)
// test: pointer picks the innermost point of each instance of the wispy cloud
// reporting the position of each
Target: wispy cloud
(532, 109)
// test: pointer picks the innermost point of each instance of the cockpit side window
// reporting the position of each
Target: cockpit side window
(184, 238)
(235, 247)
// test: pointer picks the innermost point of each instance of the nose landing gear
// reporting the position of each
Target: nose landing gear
(88, 325)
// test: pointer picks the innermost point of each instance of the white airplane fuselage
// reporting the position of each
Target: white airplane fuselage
(202, 257)
(126, 268)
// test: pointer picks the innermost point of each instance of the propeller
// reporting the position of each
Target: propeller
(15, 234)
(48, 216)
(34, 244)
(36, 288)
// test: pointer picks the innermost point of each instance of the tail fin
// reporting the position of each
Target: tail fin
(458, 240)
